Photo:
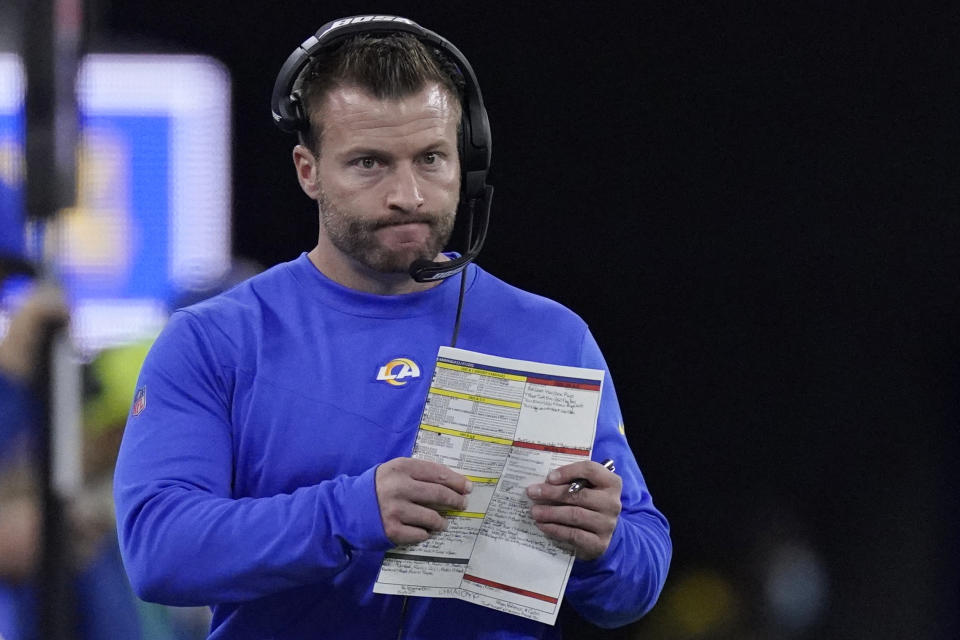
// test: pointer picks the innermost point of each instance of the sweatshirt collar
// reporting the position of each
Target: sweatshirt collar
(360, 303)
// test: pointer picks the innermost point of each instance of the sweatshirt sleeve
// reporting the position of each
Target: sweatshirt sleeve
(624, 583)
(185, 539)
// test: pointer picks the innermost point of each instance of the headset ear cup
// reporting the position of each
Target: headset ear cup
(462, 136)
(298, 111)
(289, 114)
(466, 160)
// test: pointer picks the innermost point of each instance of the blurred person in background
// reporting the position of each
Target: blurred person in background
(105, 607)
(20, 514)
(19, 351)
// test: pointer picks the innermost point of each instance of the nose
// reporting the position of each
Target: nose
(404, 191)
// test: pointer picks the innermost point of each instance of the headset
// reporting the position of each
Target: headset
(290, 115)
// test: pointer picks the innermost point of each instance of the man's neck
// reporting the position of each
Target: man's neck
(354, 275)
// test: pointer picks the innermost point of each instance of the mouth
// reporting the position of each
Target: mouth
(402, 222)
(405, 233)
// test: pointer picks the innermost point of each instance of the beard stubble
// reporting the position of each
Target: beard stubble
(356, 237)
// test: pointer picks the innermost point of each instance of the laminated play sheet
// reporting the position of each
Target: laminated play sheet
(505, 424)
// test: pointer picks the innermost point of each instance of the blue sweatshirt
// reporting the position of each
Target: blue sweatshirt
(246, 475)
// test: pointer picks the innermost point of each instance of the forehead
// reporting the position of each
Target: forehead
(352, 114)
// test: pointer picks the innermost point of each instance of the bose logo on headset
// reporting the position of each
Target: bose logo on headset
(358, 19)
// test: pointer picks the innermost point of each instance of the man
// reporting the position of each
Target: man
(264, 468)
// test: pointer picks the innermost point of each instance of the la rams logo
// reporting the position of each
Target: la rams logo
(399, 372)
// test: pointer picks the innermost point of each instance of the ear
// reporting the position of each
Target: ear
(306, 164)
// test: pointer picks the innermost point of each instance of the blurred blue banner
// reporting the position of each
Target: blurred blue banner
(152, 217)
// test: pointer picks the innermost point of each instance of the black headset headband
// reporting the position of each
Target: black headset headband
(290, 116)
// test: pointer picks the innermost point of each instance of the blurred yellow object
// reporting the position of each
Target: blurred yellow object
(700, 604)
(116, 370)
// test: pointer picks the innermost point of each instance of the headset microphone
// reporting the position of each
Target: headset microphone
(428, 271)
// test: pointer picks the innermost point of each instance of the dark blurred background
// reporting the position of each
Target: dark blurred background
(755, 207)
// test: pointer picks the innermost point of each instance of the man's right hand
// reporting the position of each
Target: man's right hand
(411, 494)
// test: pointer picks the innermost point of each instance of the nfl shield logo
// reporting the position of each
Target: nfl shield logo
(140, 400)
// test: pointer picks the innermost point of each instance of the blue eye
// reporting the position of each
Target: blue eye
(430, 158)
(367, 163)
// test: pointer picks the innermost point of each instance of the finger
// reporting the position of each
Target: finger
(604, 500)
(401, 515)
(408, 478)
(593, 472)
(394, 485)
(403, 534)
(427, 471)
(574, 517)
(423, 517)
(586, 545)
(435, 496)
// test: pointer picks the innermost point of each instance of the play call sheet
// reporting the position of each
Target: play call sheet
(504, 424)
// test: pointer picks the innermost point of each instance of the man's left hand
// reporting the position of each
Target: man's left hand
(584, 520)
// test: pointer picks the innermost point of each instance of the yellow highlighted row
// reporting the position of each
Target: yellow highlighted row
(482, 372)
(464, 434)
(473, 398)
(481, 479)
(463, 514)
